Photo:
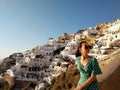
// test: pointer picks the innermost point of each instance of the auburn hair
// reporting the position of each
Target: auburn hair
(78, 53)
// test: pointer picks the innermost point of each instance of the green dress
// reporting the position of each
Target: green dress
(91, 67)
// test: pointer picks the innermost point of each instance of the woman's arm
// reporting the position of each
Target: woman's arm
(87, 82)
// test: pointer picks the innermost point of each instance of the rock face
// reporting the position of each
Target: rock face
(10, 80)
(80, 31)
(111, 71)
(2, 83)
(112, 83)
(5, 86)
(7, 63)
(63, 37)
(10, 61)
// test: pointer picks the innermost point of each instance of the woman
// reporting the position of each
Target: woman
(88, 68)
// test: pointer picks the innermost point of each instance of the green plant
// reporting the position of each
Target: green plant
(66, 80)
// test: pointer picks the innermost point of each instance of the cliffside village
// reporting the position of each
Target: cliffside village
(44, 63)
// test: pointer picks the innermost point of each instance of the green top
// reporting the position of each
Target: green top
(91, 67)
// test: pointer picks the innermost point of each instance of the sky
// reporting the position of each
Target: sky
(25, 24)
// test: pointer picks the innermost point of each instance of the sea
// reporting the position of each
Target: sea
(1, 61)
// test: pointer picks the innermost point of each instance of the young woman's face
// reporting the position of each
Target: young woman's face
(85, 49)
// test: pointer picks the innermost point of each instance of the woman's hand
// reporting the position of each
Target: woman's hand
(78, 88)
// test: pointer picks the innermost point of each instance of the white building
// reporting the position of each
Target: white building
(70, 48)
(10, 73)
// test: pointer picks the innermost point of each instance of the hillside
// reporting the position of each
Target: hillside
(66, 80)
(52, 66)
(109, 80)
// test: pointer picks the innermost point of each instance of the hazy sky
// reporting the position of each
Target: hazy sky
(25, 24)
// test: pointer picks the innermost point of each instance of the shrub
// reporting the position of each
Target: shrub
(67, 80)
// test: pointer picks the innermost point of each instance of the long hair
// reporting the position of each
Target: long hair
(78, 53)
